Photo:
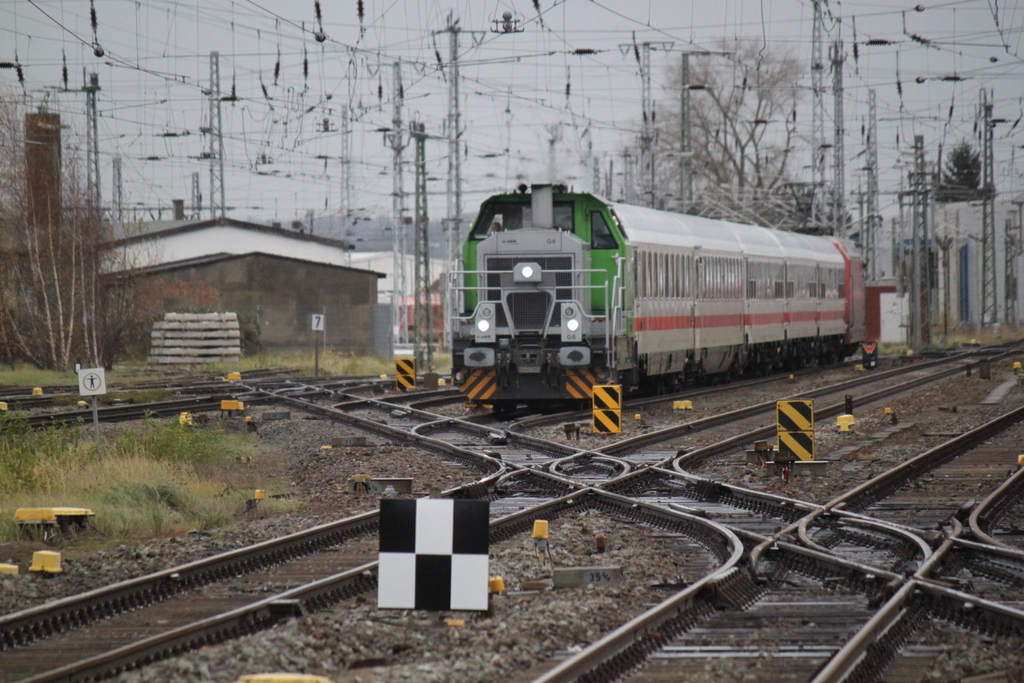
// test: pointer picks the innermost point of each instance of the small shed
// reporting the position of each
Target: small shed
(274, 296)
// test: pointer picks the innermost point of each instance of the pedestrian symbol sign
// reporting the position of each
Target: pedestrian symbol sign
(92, 382)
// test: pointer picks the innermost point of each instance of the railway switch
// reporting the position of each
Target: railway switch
(1020, 460)
(496, 584)
(3, 405)
(682, 405)
(46, 561)
(844, 422)
(82, 403)
(1017, 365)
(858, 368)
(37, 391)
(185, 419)
(9, 569)
(234, 376)
(231, 406)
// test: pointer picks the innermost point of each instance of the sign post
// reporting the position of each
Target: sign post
(607, 408)
(93, 382)
(795, 428)
(317, 325)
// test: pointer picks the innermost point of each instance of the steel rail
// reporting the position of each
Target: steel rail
(789, 510)
(319, 594)
(638, 442)
(883, 485)
(24, 626)
(699, 456)
(622, 650)
(996, 504)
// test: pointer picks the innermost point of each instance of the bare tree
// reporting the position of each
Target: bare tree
(742, 117)
(52, 241)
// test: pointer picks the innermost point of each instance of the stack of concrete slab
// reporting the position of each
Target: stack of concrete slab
(195, 338)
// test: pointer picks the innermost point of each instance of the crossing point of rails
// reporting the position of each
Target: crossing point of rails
(607, 408)
(405, 374)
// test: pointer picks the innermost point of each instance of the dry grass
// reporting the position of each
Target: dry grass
(150, 479)
(332, 363)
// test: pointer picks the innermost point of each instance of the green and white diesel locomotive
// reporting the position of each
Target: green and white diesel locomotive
(559, 291)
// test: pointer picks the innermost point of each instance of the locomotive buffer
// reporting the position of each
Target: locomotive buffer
(795, 422)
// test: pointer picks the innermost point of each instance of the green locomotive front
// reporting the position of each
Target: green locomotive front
(537, 306)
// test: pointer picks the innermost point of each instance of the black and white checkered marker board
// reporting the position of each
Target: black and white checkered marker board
(433, 554)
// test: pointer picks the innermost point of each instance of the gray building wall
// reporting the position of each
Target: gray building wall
(279, 293)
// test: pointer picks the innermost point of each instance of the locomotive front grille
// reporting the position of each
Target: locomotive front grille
(529, 309)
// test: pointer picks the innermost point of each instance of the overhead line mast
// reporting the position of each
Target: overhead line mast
(396, 137)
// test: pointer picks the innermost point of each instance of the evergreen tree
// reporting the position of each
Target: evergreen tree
(962, 175)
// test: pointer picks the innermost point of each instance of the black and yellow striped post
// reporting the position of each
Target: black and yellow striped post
(607, 406)
(405, 374)
(795, 422)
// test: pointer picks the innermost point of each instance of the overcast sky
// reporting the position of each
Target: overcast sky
(282, 161)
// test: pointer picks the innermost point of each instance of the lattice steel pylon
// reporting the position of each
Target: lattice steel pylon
(422, 326)
(838, 149)
(873, 231)
(216, 141)
(989, 297)
(453, 221)
(820, 197)
(1012, 249)
(920, 276)
(197, 196)
(117, 203)
(647, 161)
(685, 132)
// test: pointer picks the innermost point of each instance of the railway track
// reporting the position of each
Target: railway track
(805, 558)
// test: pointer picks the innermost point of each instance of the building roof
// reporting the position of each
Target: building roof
(218, 258)
(133, 233)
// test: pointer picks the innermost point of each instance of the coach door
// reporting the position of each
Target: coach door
(687, 296)
(697, 299)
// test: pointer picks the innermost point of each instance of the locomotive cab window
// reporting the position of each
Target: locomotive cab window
(600, 234)
(508, 216)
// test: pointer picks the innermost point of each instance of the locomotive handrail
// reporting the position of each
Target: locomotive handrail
(608, 287)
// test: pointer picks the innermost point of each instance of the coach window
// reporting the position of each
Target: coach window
(600, 234)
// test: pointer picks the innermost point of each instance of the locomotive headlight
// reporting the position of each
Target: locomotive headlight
(526, 272)
(483, 330)
(571, 322)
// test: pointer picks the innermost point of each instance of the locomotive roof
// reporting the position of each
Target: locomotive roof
(650, 226)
